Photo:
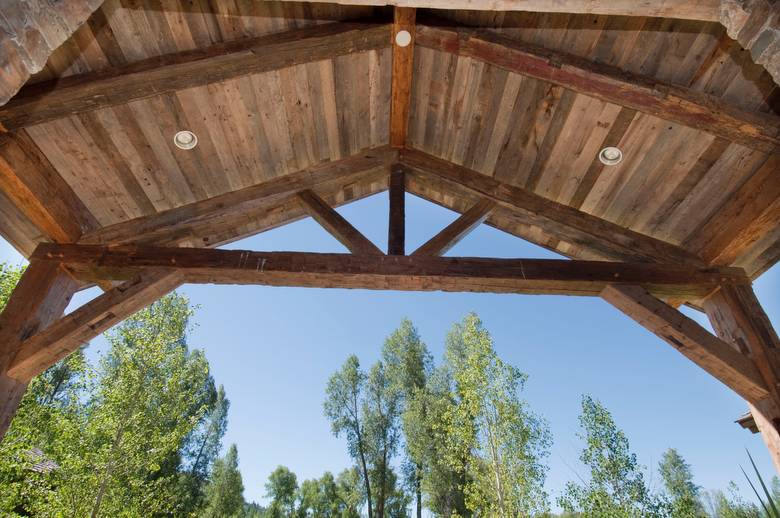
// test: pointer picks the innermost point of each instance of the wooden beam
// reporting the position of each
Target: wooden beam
(709, 352)
(532, 276)
(30, 181)
(396, 230)
(72, 95)
(566, 223)
(31, 31)
(666, 101)
(705, 10)
(174, 225)
(400, 91)
(39, 298)
(336, 225)
(738, 318)
(457, 230)
(53, 343)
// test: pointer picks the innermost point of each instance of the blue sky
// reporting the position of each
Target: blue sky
(274, 348)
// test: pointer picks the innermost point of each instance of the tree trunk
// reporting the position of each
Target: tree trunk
(365, 472)
(418, 489)
(380, 505)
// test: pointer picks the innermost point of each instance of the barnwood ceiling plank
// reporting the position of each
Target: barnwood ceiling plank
(711, 353)
(396, 229)
(337, 225)
(705, 10)
(72, 95)
(453, 233)
(566, 223)
(66, 335)
(179, 222)
(403, 66)
(35, 187)
(532, 276)
(666, 101)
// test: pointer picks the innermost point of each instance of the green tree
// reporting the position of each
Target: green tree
(616, 487)
(350, 493)
(343, 407)
(678, 482)
(730, 504)
(282, 489)
(408, 365)
(224, 494)
(500, 441)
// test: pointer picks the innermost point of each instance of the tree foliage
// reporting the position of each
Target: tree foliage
(224, 494)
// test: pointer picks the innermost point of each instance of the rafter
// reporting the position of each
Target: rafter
(452, 234)
(336, 225)
(68, 96)
(201, 265)
(400, 92)
(689, 338)
(611, 84)
(606, 239)
(223, 218)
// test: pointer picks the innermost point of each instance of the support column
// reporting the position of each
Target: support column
(738, 318)
(396, 229)
(39, 299)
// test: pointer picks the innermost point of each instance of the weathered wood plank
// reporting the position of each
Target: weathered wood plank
(396, 229)
(566, 223)
(406, 273)
(696, 343)
(336, 225)
(164, 226)
(400, 92)
(46, 101)
(53, 343)
(452, 234)
(666, 101)
(29, 180)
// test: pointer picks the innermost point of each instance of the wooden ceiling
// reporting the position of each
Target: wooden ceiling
(263, 112)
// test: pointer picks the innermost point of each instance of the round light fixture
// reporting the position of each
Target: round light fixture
(610, 156)
(403, 38)
(185, 139)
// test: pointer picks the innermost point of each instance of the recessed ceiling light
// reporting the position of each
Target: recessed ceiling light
(610, 156)
(403, 38)
(185, 139)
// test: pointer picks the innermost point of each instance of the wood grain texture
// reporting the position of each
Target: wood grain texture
(396, 227)
(403, 64)
(165, 226)
(170, 73)
(709, 352)
(37, 190)
(681, 105)
(337, 225)
(532, 276)
(64, 336)
(562, 221)
(453, 233)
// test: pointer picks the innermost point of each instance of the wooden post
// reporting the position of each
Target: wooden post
(39, 299)
(738, 318)
(397, 227)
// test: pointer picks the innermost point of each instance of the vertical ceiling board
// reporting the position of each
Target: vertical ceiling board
(269, 98)
(329, 108)
(462, 127)
(63, 144)
(532, 115)
(203, 115)
(684, 156)
(361, 100)
(579, 141)
(509, 98)
(442, 89)
(422, 64)
(379, 82)
(437, 88)
(319, 119)
(489, 97)
(733, 168)
(639, 138)
(295, 92)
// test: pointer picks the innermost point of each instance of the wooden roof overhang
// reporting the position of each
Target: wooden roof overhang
(497, 113)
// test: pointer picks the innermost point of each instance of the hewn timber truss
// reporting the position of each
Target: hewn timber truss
(140, 260)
